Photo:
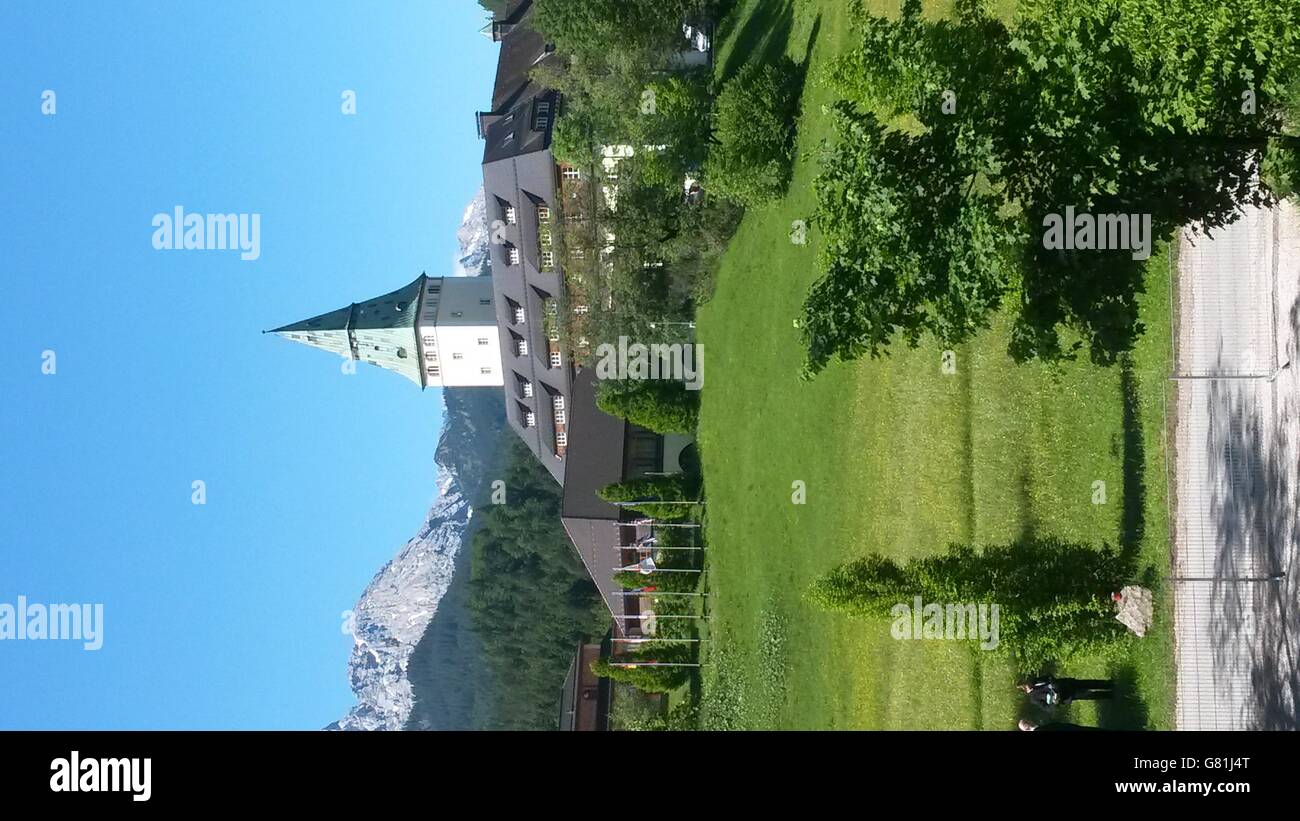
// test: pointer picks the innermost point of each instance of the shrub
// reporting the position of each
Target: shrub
(1053, 597)
(754, 132)
(649, 679)
(660, 405)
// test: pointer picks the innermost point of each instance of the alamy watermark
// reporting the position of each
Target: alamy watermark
(179, 231)
(28, 621)
(953, 622)
(679, 361)
(1100, 232)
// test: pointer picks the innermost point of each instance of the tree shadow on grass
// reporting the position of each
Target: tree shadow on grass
(1127, 710)
(762, 38)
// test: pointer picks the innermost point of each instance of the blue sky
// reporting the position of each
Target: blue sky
(225, 615)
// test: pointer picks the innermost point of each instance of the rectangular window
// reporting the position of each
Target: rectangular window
(519, 316)
(485, 371)
(433, 370)
(514, 256)
(457, 314)
(458, 356)
(511, 217)
(521, 347)
(580, 309)
(528, 390)
(569, 173)
(548, 260)
(557, 402)
(482, 340)
(530, 420)
(543, 213)
(561, 439)
(430, 356)
(555, 359)
(485, 302)
(559, 417)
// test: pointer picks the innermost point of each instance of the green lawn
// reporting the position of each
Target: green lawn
(900, 458)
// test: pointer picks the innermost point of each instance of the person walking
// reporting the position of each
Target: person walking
(1049, 692)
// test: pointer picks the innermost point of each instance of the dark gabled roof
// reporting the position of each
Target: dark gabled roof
(512, 134)
(594, 460)
(595, 454)
(522, 47)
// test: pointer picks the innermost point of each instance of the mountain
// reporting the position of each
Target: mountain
(474, 259)
(395, 610)
(408, 598)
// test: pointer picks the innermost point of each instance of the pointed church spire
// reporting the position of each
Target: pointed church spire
(437, 332)
(381, 331)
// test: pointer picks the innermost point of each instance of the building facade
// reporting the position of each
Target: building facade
(520, 182)
(437, 332)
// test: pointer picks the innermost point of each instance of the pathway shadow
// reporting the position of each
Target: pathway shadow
(1249, 533)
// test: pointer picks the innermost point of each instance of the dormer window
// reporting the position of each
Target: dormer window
(512, 254)
(519, 315)
(512, 217)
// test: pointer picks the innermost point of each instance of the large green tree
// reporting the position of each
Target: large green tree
(595, 27)
(1109, 106)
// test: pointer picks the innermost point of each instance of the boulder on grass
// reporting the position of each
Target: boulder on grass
(1134, 610)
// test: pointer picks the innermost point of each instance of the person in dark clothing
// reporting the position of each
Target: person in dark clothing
(1029, 726)
(1048, 691)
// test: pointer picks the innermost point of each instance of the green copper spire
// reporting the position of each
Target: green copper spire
(381, 331)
